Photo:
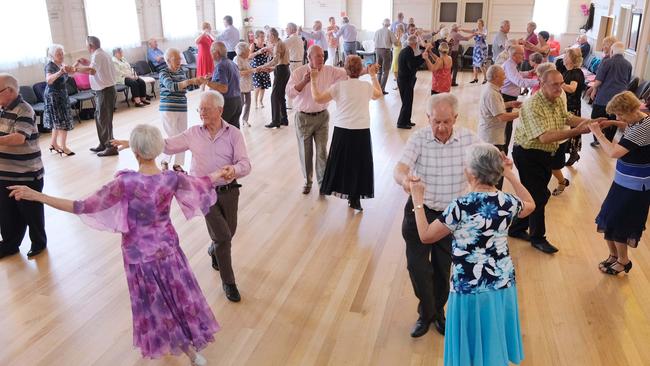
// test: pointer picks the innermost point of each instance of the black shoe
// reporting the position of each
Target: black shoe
(545, 247)
(272, 125)
(405, 127)
(594, 144)
(522, 235)
(8, 252)
(111, 151)
(355, 203)
(385, 93)
(572, 159)
(306, 189)
(98, 148)
(232, 293)
(411, 124)
(35, 251)
(420, 328)
(284, 123)
(212, 255)
(439, 324)
(474, 81)
(454, 84)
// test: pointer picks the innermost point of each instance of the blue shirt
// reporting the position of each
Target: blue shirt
(172, 98)
(348, 32)
(153, 54)
(226, 72)
(614, 73)
(480, 257)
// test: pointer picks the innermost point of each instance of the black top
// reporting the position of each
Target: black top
(636, 139)
(408, 63)
(59, 83)
(573, 99)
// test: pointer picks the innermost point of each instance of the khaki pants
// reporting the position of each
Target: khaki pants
(312, 130)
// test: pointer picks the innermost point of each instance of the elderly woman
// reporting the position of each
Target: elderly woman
(624, 212)
(397, 48)
(542, 45)
(57, 115)
(482, 325)
(349, 168)
(574, 85)
(280, 67)
(260, 55)
(173, 101)
(170, 313)
(332, 42)
(245, 78)
(126, 75)
(440, 69)
(480, 55)
(204, 62)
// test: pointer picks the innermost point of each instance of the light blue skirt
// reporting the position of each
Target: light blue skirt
(483, 329)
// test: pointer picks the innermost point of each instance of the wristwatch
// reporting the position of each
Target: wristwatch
(418, 207)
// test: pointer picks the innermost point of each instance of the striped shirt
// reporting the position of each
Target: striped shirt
(21, 162)
(172, 98)
(633, 168)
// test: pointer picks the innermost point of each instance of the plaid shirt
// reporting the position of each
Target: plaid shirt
(539, 115)
(439, 165)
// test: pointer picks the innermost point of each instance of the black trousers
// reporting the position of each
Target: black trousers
(535, 173)
(17, 216)
(405, 86)
(278, 95)
(598, 111)
(138, 87)
(221, 221)
(508, 98)
(231, 54)
(232, 110)
(428, 265)
(325, 52)
(455, 66)
(504, 149)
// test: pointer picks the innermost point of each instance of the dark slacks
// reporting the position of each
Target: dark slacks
(325, 53)
(138, 87)
(232, 110)
(504, 149)
(231, 55)
(598, 111)
(535, 172)
(508, 98)
(455, 65)
(17, 216)
(104, 107)
(222, 224)
(405, 86)
(384, 59)
(428, 265)
(278, 95)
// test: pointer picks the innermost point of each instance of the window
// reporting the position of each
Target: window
(25, 27)
(291, 11)
(448, 12)
(552, 19)
(373, 13)
(101, 16)
(227, 7)
(473, 12)
(634, 32)
(179, 18)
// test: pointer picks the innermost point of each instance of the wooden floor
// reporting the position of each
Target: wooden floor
(321, 284)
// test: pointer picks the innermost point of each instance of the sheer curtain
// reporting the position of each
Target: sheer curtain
(25, 29)
(291, 11)
(114, 22)
(551, 18)
(374, 12)
(227, 7)
(179, 18)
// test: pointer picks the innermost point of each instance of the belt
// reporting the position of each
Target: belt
(350, 42)
(295, 61)
(313, 113)
(227, 187)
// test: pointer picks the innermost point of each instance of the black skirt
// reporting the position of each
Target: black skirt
(349, 170)
(623, 215)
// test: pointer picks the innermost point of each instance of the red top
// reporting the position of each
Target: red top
(441, 80)
(204, 62)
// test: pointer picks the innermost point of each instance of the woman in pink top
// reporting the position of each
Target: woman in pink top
(440, 69)
(332, 43)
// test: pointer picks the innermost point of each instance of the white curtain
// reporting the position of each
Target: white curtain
(374, 12)
(551, 18)
(114, 22)
(227, 7)
(25, 30)
(290, 11)
(179, 18)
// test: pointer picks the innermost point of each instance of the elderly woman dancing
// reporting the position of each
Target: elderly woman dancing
(57, 115)
(482, 327)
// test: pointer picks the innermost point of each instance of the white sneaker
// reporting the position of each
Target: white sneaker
(199, 360)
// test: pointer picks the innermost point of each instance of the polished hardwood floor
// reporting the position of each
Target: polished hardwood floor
(321, 284)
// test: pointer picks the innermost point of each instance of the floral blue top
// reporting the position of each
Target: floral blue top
(479, 224)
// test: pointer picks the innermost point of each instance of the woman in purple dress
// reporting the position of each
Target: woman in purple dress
(170, 313)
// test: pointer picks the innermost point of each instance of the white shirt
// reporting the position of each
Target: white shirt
(230, 37)
(296, 48)
(384, 38)
(104, 70)
(352, 97)
(491, 104)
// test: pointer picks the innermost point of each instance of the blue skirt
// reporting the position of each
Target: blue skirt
(483, 329)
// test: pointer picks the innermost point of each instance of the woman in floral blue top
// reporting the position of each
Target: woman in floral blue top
(482, 313)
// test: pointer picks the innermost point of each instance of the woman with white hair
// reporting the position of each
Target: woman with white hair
(482, 325)
(480, 54)
(170, 313)
(126, 75)
(57, 115)
(245, 78)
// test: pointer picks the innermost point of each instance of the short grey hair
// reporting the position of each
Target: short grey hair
(505, 22)
(9, 81)
(412, 39)
(345, 20)
(618, 48)
(533, 24)
(214, 96)
(51, 50)
(442, 98)
(292, 27)
(386, 22)
(146, 141)
(544, 67)
(492, 72)
(169, 51)
(484, 162)
(536, 58)
(94, 42)
(514, 48)
(241, 48)
(219, 47)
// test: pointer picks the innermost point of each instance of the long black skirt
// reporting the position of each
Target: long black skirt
(623, 215)
(349, 171)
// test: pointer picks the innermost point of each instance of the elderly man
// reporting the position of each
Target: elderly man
(584, 45)
(296, 48)
(500, 42)
(20, 163)
(531, 37)
(407, 68)
(493, 117)
(514, 82)
(225, 80)
(155, 55)
(435, 155)
(384, 41)
(543, 121)
(349, 34)
(317, 35)
(400, 20)
(102, 82)
(311, 118)
(613, 76)
(230, 37)
(279, 64)
(454, 41)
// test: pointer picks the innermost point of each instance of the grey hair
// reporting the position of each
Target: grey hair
(442, 98)
(492, 72)
(444, 32)
(345, 20)
(533, 24)
(484, 162)
(9, 81)
(386, 22)
(544, 67)
(51, 50)
(514, 48)
(292, 27)
(536, 58)
(94, 42)
(241, 48)
(312, 49)
(412, 39)
(169, 51)
(116, 50)
(146, 141)
(220, 47)
(505, 22)
(618, 48)
(214, 96)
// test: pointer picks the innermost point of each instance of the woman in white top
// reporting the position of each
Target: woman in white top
(349, 169)
(126, 75)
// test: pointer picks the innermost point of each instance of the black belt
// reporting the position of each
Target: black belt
(313, 113)
(295, 61)
(227, 187)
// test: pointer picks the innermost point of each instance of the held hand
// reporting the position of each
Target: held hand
(313, 74)
(373, 69)
(120, 144)
(406, 183)
(595, 129)
(515, 104)
(417, 191)
(306, 78)
(228, 172)
(23, 193)
(507, 163)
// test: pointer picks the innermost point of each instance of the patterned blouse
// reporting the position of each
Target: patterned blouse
(480, 257)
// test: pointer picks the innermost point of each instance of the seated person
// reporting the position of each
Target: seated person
(155, 56)
(126, 75)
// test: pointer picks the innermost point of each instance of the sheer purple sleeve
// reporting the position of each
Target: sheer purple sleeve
(195, 195)
(105, 209)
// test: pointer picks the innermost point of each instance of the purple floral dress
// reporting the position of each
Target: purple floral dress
(170, 313)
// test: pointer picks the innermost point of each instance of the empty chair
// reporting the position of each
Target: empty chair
(27, 92)
(633, 85)
(144, 70)
(642, 89)
(79, 96)
(191, 62)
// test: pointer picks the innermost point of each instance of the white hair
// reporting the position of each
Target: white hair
(216, 99)
(9, 81)
(492, 72)
(146, 141)
(386, 22)
(241, 48)
(484, 162)
(51, 50)
(444, 32)
(618, 48)
(169, 51)
(544, 67)
(412, 39)
(292, 27)
(446, 98)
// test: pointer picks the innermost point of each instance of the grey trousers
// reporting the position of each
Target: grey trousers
(232, 110)
(312, 130)
(385, 60)
(222, 224)
(246, 105)
(104, 106)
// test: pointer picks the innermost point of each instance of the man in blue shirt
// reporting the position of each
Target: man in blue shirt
(155, 56)
(225, 80)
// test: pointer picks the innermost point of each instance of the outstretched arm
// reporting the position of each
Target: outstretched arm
(28, 194)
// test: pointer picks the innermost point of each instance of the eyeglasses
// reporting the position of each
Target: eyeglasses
(199, 110)
(2, 90)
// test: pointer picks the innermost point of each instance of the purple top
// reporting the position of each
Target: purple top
(514, 79)
(532, 38)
